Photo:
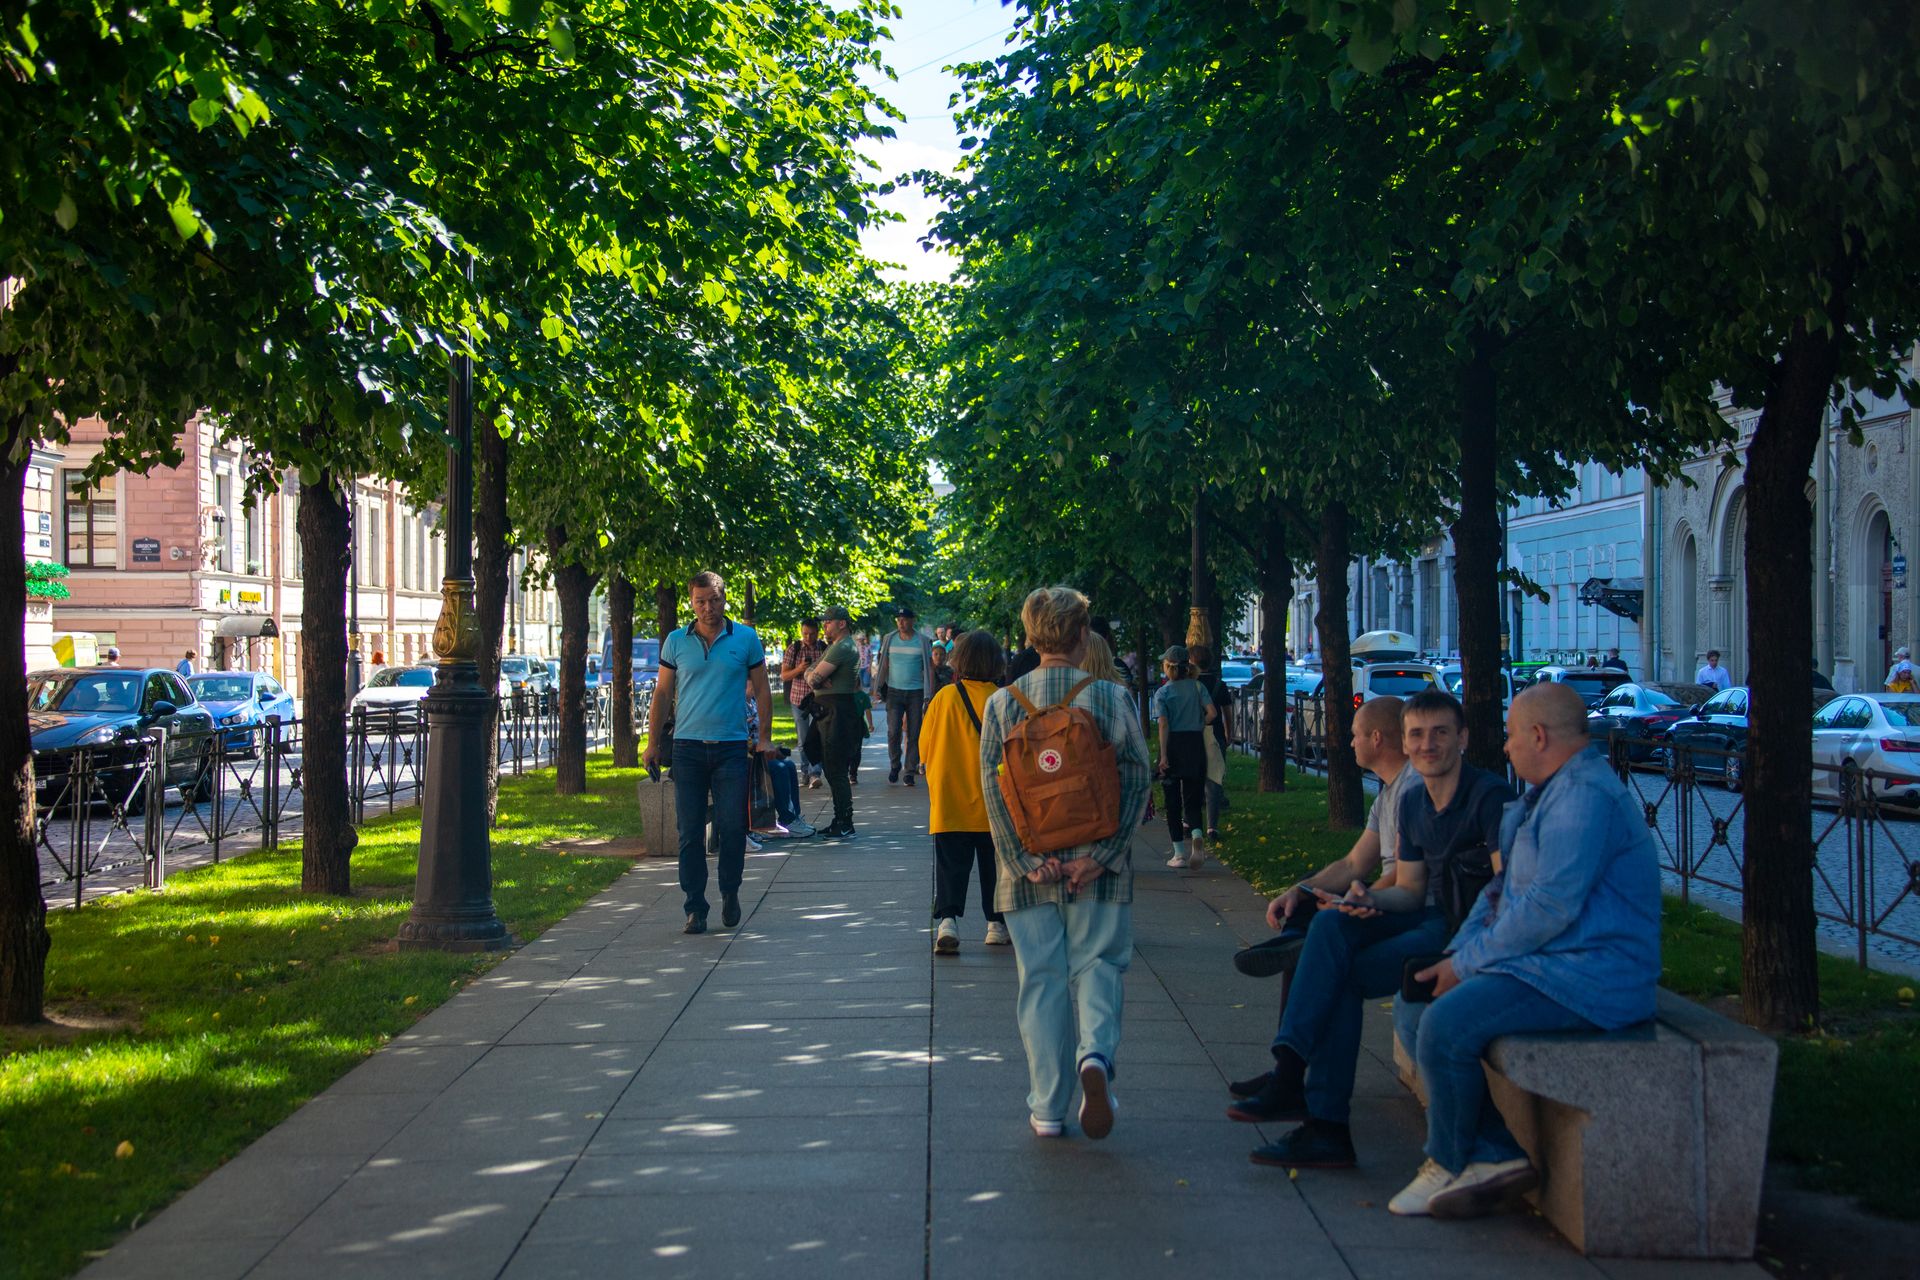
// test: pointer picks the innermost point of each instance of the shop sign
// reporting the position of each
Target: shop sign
(249, 597)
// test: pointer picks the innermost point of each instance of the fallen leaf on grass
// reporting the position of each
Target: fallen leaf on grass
(124, 1151)
(410, 1000)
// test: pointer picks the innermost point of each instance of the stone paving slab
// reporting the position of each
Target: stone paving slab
(815, 1094)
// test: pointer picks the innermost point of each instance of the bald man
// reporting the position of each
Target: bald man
(1566, 938)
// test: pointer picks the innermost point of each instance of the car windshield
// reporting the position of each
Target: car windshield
(222, 688)
(85, 695)
(1398, 680)
(1902, 714)
(1235, 672)
(513, 666)
(402, 677)
(1653, 700)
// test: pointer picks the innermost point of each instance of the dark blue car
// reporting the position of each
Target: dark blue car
(240, 700)
(109, 709)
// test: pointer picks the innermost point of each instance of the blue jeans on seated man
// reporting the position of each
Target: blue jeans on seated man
(1463, 1125)
(1346, 962)
(717, 770)
(1072, 960)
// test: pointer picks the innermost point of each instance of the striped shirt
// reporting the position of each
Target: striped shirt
(1114, 712)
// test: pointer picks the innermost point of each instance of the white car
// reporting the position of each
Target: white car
(1453, 678)
(1869, 732)
(397, 689)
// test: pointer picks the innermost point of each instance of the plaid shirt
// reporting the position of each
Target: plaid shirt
(1114, 712)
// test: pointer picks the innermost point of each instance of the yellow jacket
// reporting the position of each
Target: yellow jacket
(950, 757)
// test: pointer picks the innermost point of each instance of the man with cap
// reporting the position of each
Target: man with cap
(835, 679)
(902, 679)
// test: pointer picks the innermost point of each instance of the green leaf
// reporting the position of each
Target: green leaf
(66, 213)
(560, 36)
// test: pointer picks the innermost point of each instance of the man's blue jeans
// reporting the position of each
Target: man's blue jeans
(1346, 962)
(719, 770)
(1463, 1125)
(1072, 959)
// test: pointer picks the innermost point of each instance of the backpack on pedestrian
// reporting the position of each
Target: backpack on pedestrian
(1059, 775)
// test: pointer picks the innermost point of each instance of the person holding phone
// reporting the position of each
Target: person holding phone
(1357, 951)
(1566, 938)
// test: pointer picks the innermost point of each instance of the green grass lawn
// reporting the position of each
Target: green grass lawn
(221, 1005)
(1845, 1114)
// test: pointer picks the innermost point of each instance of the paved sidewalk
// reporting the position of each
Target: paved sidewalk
(818, 1093)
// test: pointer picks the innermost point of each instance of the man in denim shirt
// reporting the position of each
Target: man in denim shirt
(1566, 938)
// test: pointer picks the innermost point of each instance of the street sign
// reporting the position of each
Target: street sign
(146, 551)
(1899, 570)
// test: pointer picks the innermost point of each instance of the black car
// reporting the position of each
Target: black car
(1638, 716)
(1717, 725)
(108, 709)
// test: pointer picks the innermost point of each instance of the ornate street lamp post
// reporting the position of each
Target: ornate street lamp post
(453, 891)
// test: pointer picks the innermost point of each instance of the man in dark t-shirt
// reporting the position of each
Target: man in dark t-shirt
(1357, 946)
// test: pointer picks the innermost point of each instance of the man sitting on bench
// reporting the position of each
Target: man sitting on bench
(1566, 938)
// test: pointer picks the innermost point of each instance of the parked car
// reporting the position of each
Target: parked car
(1592, 685)
(1869, 731)
(109, 709)
(239, 700)
(523, 675)
(1304, 680)
(1638, 716)
(1401, 679)
(1718, 725)
(1237, 675)
(397, 689)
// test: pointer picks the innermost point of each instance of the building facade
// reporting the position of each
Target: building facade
(183, 560)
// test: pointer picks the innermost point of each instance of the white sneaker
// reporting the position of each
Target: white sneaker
(1197, 851)
(1097, 1103)
(1046, 1128)
(753, 845)
(997, 935)
(1483, 1187)
(1179, 859)
(946, 939)
(1414, 1197)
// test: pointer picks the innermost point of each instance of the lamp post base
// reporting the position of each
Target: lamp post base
(453, 892)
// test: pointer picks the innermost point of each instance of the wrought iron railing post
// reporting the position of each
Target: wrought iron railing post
(156, 814)
(357, 732)
(270, 779)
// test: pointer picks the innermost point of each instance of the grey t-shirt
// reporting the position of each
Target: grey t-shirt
(1384, 818)
(1182, 704)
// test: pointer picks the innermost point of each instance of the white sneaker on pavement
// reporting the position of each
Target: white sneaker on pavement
(997, 935)
(1046, 1128)
(946, 939)
(1412, 1200)
(1179, 859)
(1483, 1187)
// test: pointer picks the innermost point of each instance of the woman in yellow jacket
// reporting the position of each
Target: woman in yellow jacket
(950, 762)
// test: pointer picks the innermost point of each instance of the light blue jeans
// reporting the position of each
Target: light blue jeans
(1463, 1125)
(1072, 959)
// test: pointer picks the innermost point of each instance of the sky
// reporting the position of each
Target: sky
(930, 35)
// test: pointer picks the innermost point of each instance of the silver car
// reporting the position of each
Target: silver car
(1858, 733)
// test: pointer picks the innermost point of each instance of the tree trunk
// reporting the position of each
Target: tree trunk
(1343, 770)
(1780, 981)
(492, 563)
(1476, 564)
(24, 940)
(328, 838)
(1276, 595)
(626, 750)
(1202, 625)
(666, 609)
(573, 584)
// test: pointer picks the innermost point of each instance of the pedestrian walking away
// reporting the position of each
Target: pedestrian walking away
(1184, 712)
(1206, 669)
(694, 724)
(1069, 911)
(1565, 938)
(950, 749)
(794, 663)
(900, 680)
(834, 680)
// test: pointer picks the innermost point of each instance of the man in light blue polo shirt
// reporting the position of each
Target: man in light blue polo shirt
(707, 672)
(902, 676)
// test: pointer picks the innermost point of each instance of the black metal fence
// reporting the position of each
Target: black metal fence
(119, 814)
(1866, 867)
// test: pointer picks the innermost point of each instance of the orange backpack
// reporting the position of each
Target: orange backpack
(1059, 776)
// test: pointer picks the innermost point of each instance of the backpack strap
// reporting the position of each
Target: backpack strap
(967, 702)
(1026, 703)
(1071, 694)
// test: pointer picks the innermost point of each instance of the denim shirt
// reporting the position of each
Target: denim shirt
(1575, 912)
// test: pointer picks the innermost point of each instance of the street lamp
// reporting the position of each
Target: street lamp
(453, 890)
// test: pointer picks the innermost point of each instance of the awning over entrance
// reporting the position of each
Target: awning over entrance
(1622, 596)
(246, 624)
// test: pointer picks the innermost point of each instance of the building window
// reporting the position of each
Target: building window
(253, 534)
(93, 521)
(225, 529)
(293, 559)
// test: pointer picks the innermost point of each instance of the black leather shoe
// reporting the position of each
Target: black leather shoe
(695, 923)
(1314, 1145)
(1275, 1102)
(1251, 1085)
(893, 775)
(909, 779)
(730, 910)
(1274, 956)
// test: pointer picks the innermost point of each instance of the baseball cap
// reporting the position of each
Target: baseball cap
(836, 614)
(1175, 653)
(905, 611)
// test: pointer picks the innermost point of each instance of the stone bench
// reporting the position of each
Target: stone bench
(1650, 1142)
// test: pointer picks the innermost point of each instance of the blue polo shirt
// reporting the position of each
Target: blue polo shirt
(710, 681)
